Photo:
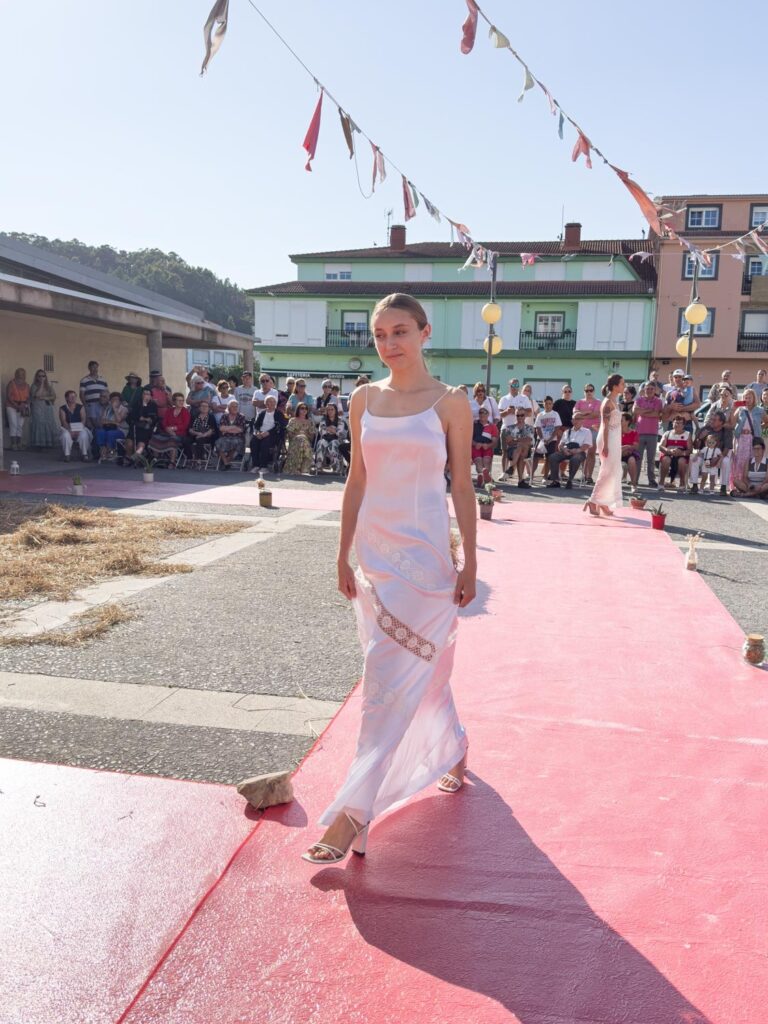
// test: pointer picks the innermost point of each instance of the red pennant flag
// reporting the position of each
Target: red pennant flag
(469, 28)
(410, 209)
(310, 140)
(583, 146)
(643, 200)
(379, 167)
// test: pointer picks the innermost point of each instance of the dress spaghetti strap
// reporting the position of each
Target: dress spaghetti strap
(439, 399)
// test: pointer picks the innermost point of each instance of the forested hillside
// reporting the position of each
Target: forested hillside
(163, 272)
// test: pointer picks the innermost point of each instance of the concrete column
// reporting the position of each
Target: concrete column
(155, 346)
(248, 359)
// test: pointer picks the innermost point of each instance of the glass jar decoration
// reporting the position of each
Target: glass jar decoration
(754, 649)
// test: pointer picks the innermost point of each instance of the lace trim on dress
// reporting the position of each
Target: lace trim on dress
(404, 565)
(400, 632)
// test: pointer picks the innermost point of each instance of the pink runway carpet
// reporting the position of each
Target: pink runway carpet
(605, 863)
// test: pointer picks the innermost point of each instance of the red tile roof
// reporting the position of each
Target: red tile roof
(447, 250)
(439, 289)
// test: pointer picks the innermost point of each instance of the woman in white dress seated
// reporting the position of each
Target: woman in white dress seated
(406, 591)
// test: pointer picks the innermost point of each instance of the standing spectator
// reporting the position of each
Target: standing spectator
(111, 425)
(630, 453)
(199, 391)
(628, 399)
(747, 422)
(565, 405)
(17, 406)
(131, 393)
(482, 400)
(266, 391)
(527, 392)
(648, 409)
(675, 448)
(142, 420)
(759, 385)
(365, 379)
(300, 395)
(230, 443)
(325, 398)
(753, 483)
(268, 432)
(244, 393)
(42, 397)
(161, 393)
(587, 414)
(484, 435)
(518, 441)
(172, 430)
(290, 386)
(508, 406)
(330, 434)
(653, 378)
(220, 401)
(573, 448)
(301, 434)
(202, 433)
(92, 387)
(714, 434)
(548, 428)
(73, 428)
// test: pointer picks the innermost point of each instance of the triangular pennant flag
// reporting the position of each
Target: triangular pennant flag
(431, 210)
(463, 234)
(755, 237)
(548, 94)
(375, 166)
(528, 258)
(313, 132)
(643, 200)
(346, 127)
(410, 209)
(528, 83)
(582, 147)
(213, 40)
(414, 194)
(469, 28)
(498, 39)
(560, 124)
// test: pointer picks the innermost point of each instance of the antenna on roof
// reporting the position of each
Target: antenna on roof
(389, 222)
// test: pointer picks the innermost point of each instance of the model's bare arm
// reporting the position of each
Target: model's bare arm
(457, 418)
(354, 491)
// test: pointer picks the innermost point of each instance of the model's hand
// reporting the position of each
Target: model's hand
(465, 588)
(604, 453)
(346, 579)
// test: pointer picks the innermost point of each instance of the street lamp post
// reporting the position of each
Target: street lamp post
(695, 314)
(491, 314)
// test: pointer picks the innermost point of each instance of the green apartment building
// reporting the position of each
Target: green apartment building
(581, 311)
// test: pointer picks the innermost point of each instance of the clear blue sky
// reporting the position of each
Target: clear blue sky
(110, 135)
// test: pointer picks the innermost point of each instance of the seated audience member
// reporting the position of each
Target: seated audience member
(518, 441)
(202, 434)
(675, 450)
(714, 434)
(484, 434)
(748, 421)
(508, 406)
(330, 435)
(73, 428)
(627, 401)
(230, 443)
(172, 431)
(630, 452)
(93, 419)
(131, 393)
(753, 483)
(142, 420)
(547, 430)
(573, 448)
(301, 435)
(268, 432)
(112, 426)
(325, 398)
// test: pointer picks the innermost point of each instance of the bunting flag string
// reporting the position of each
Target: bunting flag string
(219, 16)
(655, 213)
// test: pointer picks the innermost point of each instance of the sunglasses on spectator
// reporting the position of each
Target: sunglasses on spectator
(567, 391)
(589, 389)
(520, 415)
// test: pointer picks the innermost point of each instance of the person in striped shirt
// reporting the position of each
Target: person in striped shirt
(92, 387)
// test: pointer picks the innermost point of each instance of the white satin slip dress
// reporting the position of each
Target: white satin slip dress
(607, 490)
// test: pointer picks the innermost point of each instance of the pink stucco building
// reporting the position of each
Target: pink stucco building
(735, 334)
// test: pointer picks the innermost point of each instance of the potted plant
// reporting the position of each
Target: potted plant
(496, 493)
(638, 503)
(147, 463)
(78, 487)
(658, 516)
(485, 502)
(265, 497)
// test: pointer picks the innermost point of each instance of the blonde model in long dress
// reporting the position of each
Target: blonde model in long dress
(406, 590)
(606, 495)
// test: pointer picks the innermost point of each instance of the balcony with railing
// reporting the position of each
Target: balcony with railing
(746, 283)
(548, 341)
(749, 341)
(348, 338)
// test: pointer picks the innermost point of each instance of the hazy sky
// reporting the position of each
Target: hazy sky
(111, 136)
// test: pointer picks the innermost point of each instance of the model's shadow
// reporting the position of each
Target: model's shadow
(455, 887)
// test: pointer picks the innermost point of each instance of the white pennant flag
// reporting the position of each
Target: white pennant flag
(213, 40)
(529, 83)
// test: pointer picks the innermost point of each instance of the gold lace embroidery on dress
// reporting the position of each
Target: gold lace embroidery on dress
(401, 633)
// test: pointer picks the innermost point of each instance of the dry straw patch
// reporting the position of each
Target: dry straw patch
(54, 550)
(85, 627)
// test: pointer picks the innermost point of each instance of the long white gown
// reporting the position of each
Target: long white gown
(410, 733)
(607, 490)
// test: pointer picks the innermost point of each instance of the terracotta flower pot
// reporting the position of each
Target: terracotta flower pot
(486, 511)
(638, 503)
